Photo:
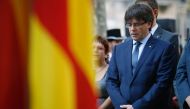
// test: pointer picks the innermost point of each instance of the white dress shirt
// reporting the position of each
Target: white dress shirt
(141, 47)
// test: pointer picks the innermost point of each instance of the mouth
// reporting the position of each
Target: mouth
(134, 34)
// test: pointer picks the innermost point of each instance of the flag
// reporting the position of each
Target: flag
(13, 54)
(60, 55)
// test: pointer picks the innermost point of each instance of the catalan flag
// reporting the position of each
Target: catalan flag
(60, 68)
(46, 54)
(13, 54)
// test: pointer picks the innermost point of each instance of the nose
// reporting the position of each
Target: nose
(95, 49)
(132, 28)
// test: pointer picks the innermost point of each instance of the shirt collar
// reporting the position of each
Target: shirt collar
(144, 40)
(153, 29)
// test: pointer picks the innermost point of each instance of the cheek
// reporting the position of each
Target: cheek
(103, 54)
(143, 30)
(100, 51)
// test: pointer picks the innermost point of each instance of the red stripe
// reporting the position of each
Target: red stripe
(54, 16)
(85, 96)
(13, 90)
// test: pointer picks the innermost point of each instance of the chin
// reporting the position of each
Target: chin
(135, 38)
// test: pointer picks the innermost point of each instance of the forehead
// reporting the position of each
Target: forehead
(97, 43)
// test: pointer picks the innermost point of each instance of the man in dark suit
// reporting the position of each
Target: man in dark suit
(182, 78)
(140, 70)
(156, 29)
(158, 32)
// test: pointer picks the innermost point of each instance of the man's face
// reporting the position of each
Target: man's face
(138, 29)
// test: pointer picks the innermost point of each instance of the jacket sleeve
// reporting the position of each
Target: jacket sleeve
(113, 82)
(181, 79)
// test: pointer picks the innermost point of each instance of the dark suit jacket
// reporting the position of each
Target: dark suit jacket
(148, 88)
(182, 79)
(172, 38)
(167, 36)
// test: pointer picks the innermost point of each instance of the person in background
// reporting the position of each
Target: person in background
(114, 38)
(182, 78)
(101, 48)
(140, 71)
(158, 32)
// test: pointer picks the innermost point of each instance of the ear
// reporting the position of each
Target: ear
(155, 12)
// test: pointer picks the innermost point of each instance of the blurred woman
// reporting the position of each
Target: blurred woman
(101, 49)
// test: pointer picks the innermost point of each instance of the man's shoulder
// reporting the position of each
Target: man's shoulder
(126, 41)
(169, 34)
(160, 43)
(125, 44)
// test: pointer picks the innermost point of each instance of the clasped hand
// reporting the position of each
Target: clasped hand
(126, 106)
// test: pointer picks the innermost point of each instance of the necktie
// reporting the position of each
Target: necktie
(135, 56)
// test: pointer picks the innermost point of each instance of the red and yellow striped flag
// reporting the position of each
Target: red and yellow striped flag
(60, 70)
(13, 54)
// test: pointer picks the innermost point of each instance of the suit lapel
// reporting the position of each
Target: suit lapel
(147, 49)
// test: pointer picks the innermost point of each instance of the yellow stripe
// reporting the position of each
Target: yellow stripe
(50, 71)
(80, 32)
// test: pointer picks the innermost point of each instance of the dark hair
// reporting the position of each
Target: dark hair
(139, 12)
(104, 42)
(152, 3)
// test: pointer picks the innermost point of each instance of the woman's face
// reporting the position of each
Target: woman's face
(99, 51)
